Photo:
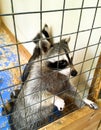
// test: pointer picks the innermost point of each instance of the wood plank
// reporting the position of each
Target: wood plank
(83, 119)
(96, 82)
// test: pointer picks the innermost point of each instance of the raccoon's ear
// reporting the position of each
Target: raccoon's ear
(45, 34)
(67, 40)
(44, 45)
(47, 31)
(37, 38)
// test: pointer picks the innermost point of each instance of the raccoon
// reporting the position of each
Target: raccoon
(45, 83)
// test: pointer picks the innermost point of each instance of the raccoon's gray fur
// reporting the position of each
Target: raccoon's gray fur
(44, 85)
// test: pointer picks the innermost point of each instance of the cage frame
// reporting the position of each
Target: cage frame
(83, 117)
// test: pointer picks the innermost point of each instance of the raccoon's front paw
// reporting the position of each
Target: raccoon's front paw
(90, 103)
(59, 103)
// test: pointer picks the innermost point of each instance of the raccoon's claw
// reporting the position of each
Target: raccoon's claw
(94, 106)
(59, 103)
(90, 103)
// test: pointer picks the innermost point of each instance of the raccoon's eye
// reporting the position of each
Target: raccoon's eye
(62, 64)
(58, 64)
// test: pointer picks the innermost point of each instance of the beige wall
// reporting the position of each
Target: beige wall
(29, 24)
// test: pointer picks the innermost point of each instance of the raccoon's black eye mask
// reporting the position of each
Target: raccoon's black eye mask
(58, 64)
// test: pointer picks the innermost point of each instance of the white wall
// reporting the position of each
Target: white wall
(29, 24)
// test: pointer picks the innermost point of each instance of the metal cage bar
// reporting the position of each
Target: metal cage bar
(41, 12)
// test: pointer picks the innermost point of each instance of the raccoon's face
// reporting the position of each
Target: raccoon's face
(59, 59)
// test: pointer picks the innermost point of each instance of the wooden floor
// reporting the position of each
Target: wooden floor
(83, 119)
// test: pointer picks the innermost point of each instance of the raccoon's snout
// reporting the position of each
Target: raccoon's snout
(74, 72)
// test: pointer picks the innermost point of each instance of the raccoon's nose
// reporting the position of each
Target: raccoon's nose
(73, 72)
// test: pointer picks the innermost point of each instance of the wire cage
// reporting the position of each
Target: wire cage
(78, 19)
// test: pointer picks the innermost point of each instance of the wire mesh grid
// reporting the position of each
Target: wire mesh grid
(85, 69)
